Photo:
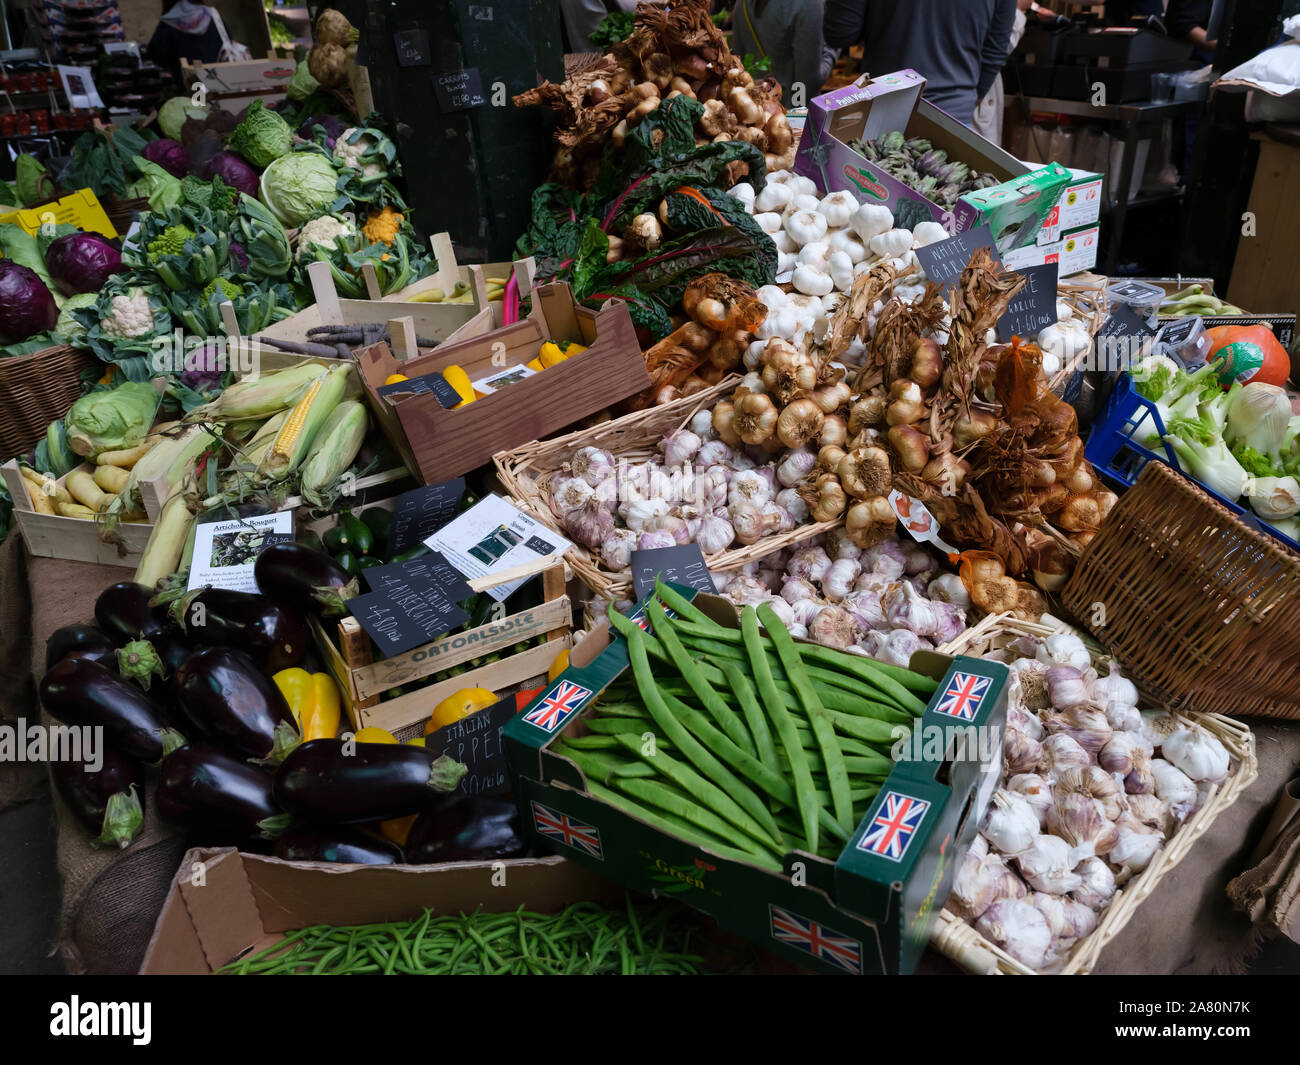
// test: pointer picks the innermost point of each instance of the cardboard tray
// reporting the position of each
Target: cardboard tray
(233, 86)
(224, 904)
(438, 444)
(868, 912)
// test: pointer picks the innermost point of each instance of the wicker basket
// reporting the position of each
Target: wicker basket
(956, 939)
(121, 213)
(525, 472)
(35, 390)
(1203, 610)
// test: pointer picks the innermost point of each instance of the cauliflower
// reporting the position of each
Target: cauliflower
(171, 241)
(349, 148)
(322, 232)
(130, 316)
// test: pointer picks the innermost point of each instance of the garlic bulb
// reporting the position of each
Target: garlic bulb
(805, 610)
(589, 525)
(1098, 883)
(1036, 791)
(711, 487)
(837, 582)
(1135, 846)
(714, 534)
(744, 589)
(1174, 787)
(1196, 753)
(1115, 688)
(1066, 918)
(1020, 753)
(809, 563)
(701, 424)
(680, 447)
(1031, 678)
(904, 609)
(1026, 722)
(750, 522)
(796, 465)
(1151, 810)
(1084, 722)
(592, 464)
(616, 549)
(974, 886)
(1157, 725)
(896, 647)
(1120, 755)
(1065, 649)
(832, 626)
(949, 623)
(1046, 865)
(568, 493)
(655, 538)
(749, 486)
(715, 453)
(1124, 718)
(1079, 820)
(839, 545)
(789, 500)
(1011, 824)
(639, 515)
(1019, 929)
(1061, 752)
(795, 588)
(866, 610)
(886, 559)
(1066, 687)
(781, 609)
(948, 588)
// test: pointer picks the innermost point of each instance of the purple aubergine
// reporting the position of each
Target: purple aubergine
(123, 611)
(88, 694)
(337, 782)
(108, 800)
(303, 579)
(276, 637)
(227, 696)
(218, 797)
(335, 843)
(463, 827)
(81, 641)
(172, 648)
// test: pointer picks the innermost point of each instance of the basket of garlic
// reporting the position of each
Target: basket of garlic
(657, 478)
(1099, 799)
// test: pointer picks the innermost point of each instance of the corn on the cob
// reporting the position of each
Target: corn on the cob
(260, 397)
(162, 554)
(293, 441)
(336, 447)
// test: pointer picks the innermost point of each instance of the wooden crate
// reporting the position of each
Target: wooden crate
(74, 539)
(439, 444)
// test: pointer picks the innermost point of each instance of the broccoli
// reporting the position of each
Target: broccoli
(1256, 463)
(229, 290)
(171, 241)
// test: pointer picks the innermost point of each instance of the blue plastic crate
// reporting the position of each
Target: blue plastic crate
(1118, 458)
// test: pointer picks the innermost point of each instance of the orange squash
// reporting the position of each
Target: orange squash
(1247, 353)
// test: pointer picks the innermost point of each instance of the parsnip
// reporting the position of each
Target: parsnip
(112, 479)
(76, 510)
(84, 490)
(48, 486)
(128, 458)
(40, 501)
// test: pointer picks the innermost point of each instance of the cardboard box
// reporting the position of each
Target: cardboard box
(1017, 211)
(873, 106)
(1075, 252)
(1079, 205)
(867, 912)
(233, 86)
(223, 905)
(438, 444)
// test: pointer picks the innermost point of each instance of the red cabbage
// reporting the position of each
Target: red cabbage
(82, 262)
(329, 123)
(233, 170)
(238, 256)
(26, 306)
(168, 154)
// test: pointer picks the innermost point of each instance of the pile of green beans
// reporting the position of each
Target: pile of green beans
(743, 740)
(585, 939)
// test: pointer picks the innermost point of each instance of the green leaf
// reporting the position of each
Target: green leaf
(591, 257)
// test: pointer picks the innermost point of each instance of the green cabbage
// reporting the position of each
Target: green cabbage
(173, 113)
(113, 420)
(299, 186)
(156, 185)
(68, 326)
(302, 84)
(262, 137)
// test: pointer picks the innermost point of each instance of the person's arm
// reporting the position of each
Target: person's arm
(997, 45)
(1201, 39)
(844, 22)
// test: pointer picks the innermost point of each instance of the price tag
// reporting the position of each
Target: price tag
(422, 385)
(412, 48)
(683, 564)
(918, 521)
(423, 569)
(421, 512)
(475, 741)
(944, 260)
(405, 615)
(459, 90)
(1034, 307)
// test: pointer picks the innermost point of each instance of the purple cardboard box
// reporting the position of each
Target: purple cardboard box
(873, 106)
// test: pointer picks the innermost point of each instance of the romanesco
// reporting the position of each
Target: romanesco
(130, 316)
(229, 290)
(216, 195)
(171, 241)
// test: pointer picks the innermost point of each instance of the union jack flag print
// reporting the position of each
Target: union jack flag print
(557, 705)
(819, 941)
(963, 696)
(568, 830)
(894, 825)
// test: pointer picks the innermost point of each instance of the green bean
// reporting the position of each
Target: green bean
(585, 743)
(654, 820)
(622, 708)
(606, 766)
(682, 808)
(694, 676)
(753, 713)
(712, 769)
(836, 775)
(703, 789)
(805, 798)
(680, 605)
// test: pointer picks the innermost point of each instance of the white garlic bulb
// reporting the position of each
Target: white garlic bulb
(1046, 866)
(1196, 753)
(1019, 929)
(1065, 649)
(1011, 824)
(1037, 792)
(1174, 787)
(1097, 883)
(1136, 845)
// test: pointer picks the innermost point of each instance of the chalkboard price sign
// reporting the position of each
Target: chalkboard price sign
(1034, 307)
(944, 260)
(403, 616)
(421, 512)
(412, 48)
(459, 90)
(423, 569)
(447, 396)
(475, 741)
(683, 565)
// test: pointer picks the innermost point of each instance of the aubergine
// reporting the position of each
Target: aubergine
(276, 637)
(304, 580)
(172, 648)
(228, 697)
(338, 782)
(218, 797)
(108, 800)
(335, 843)
(123, 612)
(81, 641)
(463, 827)
(80, 692)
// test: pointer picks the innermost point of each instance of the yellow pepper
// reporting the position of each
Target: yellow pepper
(551, 354)
(313, 699)
(560, 664)
(373, 734)
(571, 350)
(395, 379)
(535, 364)
(459, 380)
(457, 705)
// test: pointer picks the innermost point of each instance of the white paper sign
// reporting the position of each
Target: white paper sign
(79, 86)
(493, 536)
(225, 551)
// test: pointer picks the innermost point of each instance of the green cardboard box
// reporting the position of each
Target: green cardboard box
(869, 911)
(1017, 210)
